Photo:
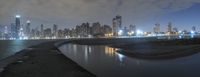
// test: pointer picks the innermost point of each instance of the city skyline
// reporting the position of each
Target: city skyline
(144, 14)
(20, 30)
(162, 28)
(99, 38)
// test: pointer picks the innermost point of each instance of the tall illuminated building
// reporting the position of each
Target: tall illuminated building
(157, 28)
(169, 27)
(114, 27)
(117, 25)
(132, 29)
(42, 30)
(6, 29)
(194, 28)
(28, 29)
(21, 31)
(96, 28)
(119, 21)
(55, 30)
(13, 30)
(17, 26)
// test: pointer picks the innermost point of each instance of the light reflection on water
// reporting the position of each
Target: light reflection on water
(104, 61)
(110, 51)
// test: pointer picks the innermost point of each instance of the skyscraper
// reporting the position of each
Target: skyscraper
(169, 27)
(13, 34)
(17, 26)
(194, 28)
(21, 31)
(28, 30)
(119, 21)
(117, 25)
(42, 31)
(106, 29)
(132, 29)
(114, 29)
(96, 28)
(55, 28)
(157, 28)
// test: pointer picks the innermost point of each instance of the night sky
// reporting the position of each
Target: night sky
(68, 13)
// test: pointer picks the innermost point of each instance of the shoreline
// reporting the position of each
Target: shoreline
(13, 58)
(171, 54)
(42, 60)
(49, 53)
(158, 49)
(170, 49)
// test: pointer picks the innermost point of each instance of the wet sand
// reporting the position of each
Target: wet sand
(42, 60)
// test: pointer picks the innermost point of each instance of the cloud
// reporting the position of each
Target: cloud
(71, 12)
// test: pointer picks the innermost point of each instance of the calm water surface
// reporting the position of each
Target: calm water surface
(10, 47)
(103, 61)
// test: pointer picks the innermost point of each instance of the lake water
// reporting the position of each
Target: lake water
(104, 61)
(10, 47)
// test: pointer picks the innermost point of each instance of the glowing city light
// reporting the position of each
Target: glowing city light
(192, 32)
(139, 32)
(120, 32)
(28, 21)
(20, 32)
(130, 33)
(17, 16)
(179, 32)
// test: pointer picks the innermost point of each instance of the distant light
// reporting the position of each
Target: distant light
(28, 21)
(130, 33)
(20, 38)
(25, 37)
(179, 31)
(120, 32)
(21, 28)
(192, 36)
(139, 32)
(17, 16)
(66, 37)
(192, 32)
(180, 37)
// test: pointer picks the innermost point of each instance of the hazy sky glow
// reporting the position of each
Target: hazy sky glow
(69, 13)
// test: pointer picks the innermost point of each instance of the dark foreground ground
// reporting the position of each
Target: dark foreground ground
(43, 60)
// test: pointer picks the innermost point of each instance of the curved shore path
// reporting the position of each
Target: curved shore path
(43, 60)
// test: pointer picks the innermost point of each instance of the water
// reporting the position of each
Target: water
(104, 61)
(10, 47)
